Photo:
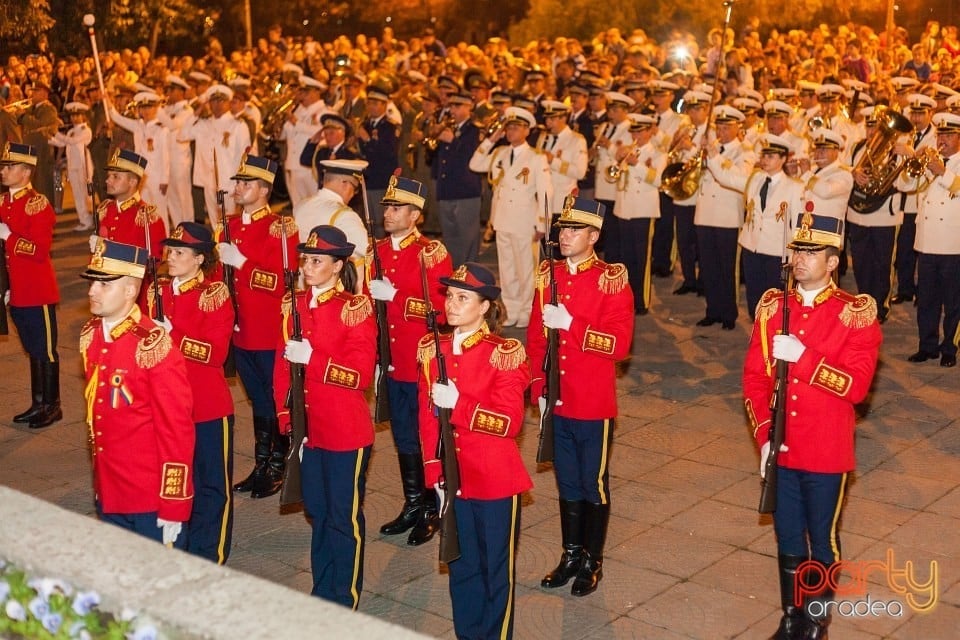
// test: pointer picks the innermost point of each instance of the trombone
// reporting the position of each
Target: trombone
(18, 107)
(615, 172)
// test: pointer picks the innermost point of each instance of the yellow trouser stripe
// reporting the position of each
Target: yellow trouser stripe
(836, 517)
(508, 614)
(601, 486)
(48, 333)
(357, 542)
(646, 267)
(228, 491)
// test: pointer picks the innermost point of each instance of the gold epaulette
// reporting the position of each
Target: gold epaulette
(37, 203)
(860, 311)
(289, 226)
(357, 309)
(86, 333)
(768, 305)
(214, 296)
(509, 353)
(426, 348)
(543, 275)
(434, 253)
(286, 305)
(153, 347)
(613, 279)
(102, 209)
(146, 215)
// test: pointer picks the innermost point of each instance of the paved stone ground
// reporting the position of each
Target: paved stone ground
(687, 554)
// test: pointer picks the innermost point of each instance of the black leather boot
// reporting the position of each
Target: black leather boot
(571, 534)
(816, 607)
(50, 411)
(411, 479)
(36, 394)
(261, 451)
(596, 518)
(429, 521)
(272, 479)
(793, 624)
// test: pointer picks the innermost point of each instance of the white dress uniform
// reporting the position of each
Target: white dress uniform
(828, 190)
(767, 230)
(721, 204)
(151, 140)
(607, 156)
(569, 163)
(301, 182)
(327, 207)
(180, 192)
(521, 185)
(225, 139)
(79, 168)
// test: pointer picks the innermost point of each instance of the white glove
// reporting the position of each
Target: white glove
(94, 239)
(4, 231)
(765, 453)
(230, 255)
(165, 323)
(170, 530)
(442, 495)
(542, 405)
(787, 348)
(298, 351)
(445, 396)
(383, 289)
(6, 297)
(302, 445)
(556, 316)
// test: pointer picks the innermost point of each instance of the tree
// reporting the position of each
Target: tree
(133, 22)
(25, 20)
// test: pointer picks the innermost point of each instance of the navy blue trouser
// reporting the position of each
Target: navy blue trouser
(482, 578)
(211, 522)
(581, 459)
(938, 292)
(906, 260)
(661, 252)
(403, 415)
(334, 483)
(634, 250)
(872, 251)
(717, 248)
(255, 369)
(144, 524)
(687, 243)
(760, 272)
(808, 510)
(37, 328)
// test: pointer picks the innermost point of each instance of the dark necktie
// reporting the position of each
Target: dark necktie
(763, 193)
(917, 138)
(553, 142)
(511, 157)
(721, 149)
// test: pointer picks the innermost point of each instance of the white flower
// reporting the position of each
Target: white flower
(145, 632)
(4, 591)
(85, 601)
(51, 622)
(78, 630)
(38, 607)
(48, 586)
(15, 611)
(127, 614)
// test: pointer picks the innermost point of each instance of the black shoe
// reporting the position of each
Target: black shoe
(36, 394)
(684, 289)
(409, 514)
(411, 479)
(707, 322)
(263, 437)
(641, 312)
(272, 479)
(428, 524)
(728, 326)
(662, 273)
(900, 298)
(948, 360)
(922, 356)
(50, 411)
(596, 518)
(571, 530)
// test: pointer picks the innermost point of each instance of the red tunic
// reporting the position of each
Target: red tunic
(842, 339)
(406, 313)
(259, 283)
(601, 303)
(492, 376)
(202, 319)
(139, 417)
(31, 220)
(343, 333)
(126, 222)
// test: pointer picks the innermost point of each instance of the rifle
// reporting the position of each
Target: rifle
(230, 364)
(4, 287)
(382, 410)
(446, 448)
(551, 368)
(778, 403)
(152, 272)
(292, 492)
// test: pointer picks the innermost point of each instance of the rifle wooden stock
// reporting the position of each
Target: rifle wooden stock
(778, 420)
(230, 364)
(446, 447)
(292, 490)
(157, 298)
(551, 388)
(4, 287)
(382, 408)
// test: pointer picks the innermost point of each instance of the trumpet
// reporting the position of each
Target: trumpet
(494, 126)
(608, 128)
(816, 122)
(615, 172)
(18, 107)
(916, 166)
(674, 153)
(432, 142)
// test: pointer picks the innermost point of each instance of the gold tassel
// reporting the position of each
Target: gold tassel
(434, 253)
(86, 338)
(286, 223)
(426, 349)
(146, 215)
(356, 310)
(613, 279)
(768, 305)
(36, 204)
(860, 312)
(214, 296)
(543, 276)
(508, 355)
(153, 348)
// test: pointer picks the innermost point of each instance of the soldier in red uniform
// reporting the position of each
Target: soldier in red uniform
(401, 289)
(26, 229)
(199, 318)
(487, 376)
(338, 349)
(138, 404)
(594, 315)
(126, 218)
(832, 352)
(255, 253)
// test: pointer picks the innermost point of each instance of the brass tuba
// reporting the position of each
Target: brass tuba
(276, 109)
(680, 180)
(878, 160)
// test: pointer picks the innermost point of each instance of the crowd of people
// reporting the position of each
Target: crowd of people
(593, 166)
